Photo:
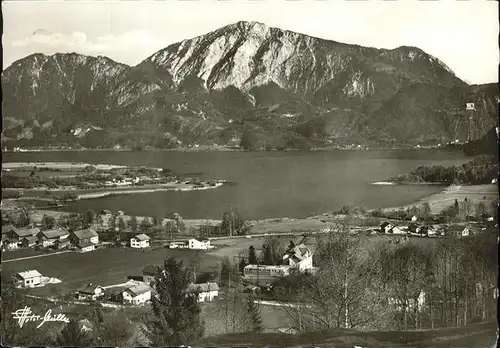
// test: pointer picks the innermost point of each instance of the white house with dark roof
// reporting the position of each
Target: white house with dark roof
(140, 241)
(299, 257)
(85, 247)
(28, 241)
(137, 294)
(17, 234)
(90, 292)
(88, 235)
(48, 237)
(199, 243)
(29, 279)
(206, 291)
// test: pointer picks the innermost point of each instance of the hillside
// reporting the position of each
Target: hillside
(275, 88)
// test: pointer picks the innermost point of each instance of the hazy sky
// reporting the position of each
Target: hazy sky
(463, 34)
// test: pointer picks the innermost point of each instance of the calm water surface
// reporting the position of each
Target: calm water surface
(267, 184)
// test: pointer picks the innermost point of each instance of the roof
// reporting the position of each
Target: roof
(282, 267)
(150, 270)
(106, 211)
(89, 288)
(201, 239)
(29, 274)
(297, 253)
(179, 242)
(142, 236)
(203, 287)
(56, 233)
(25, 232)
(139, 289)
(8, 228)
(30, 238)
(456, 228)
(85, 234)
(384, 224)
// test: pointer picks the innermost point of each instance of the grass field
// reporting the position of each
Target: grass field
(106, 266)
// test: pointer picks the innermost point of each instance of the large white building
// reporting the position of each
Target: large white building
(206, 291)
(140, 241)
(299, 257)
(29, 279)
(137, 294)
(199, 243)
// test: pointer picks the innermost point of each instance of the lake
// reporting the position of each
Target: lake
(264, 184)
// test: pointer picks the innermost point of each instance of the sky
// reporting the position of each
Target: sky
(461, 33)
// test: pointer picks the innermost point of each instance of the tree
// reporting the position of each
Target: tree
(145, 224)
(228, 274)
(48, 222)
(121, 224)
(426, 211)
(132, 223)
(273, 251)
(253, 311)
(242, 265)
(88, 218)
(252, 257)
(176, 316)
(114, 331)
(247, 141)
(232, 222)
(73, 336)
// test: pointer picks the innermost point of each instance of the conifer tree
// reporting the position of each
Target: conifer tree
(252, 257)
(72, 336)
(254, 314)
(176, 318)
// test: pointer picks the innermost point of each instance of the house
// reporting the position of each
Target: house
(415, 228)
(149, 272)
(137, 294)
(29, 279)
(386, 227)
(106, 212)
(120, 212)
(85, 247)
(28, 241)
(9, 244)
(206, 291)
(90, 292)
(62, 244)
(458, 231)
(415, 303)
(139, 241)
(48, 237)
(261, 274)
(299, 257)
(86, 236)
(199, 243)
(414, 218)
(16, 234)
(178, 245)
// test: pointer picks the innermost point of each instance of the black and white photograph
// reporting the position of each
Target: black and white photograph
(250, 173)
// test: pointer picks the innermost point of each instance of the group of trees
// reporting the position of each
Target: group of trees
(480, 170)
(405, 286)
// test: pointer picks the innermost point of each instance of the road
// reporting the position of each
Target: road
(34, 257)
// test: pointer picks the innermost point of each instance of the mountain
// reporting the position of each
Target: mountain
(273, 88)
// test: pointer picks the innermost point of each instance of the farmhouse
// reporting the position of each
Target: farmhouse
(199, 243)
(299, 257)
(149, 272)
(385, 227)
(48, 237)
(88, 235)
(206, 291)
(29, 279)
(17, 234)
(85, 247)
(139, 241)
(28, 241)
(62, 244)
(86, 325)
(138, 294)
(9, 244)
(178, 245)
(415, 303)
(458, 231)
(260, 274)
(90, 292)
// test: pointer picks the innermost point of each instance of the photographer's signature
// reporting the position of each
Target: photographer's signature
(25, 315)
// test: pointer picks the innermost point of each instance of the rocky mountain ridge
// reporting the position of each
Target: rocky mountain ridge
(243, 84)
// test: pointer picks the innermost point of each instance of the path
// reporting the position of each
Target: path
(33, 257)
